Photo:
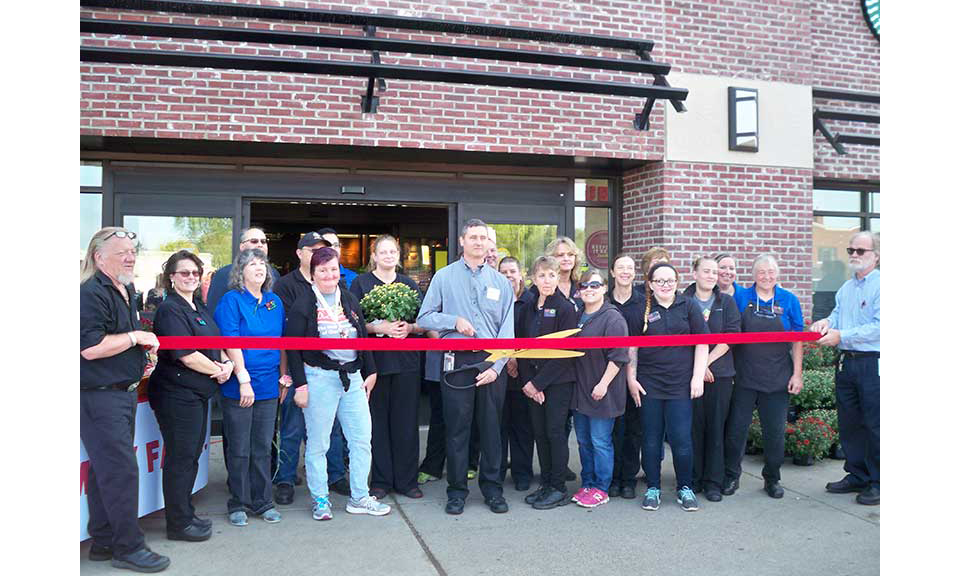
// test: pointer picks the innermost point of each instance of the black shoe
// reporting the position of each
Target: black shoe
(730, 486)
(697, 488)
(569, 476)
(143, 560)
(192, 533)
(869, 497)
(523, 485)
(497, 504)
(553, 498)
(100, 553)
(378, 493)
(284, 494)
(773, 489)
(454, 506)
(713, 495)
(627, 491)
(537, 494)
(614, 491)
(845, 486)
(341, 487)
(202, 522)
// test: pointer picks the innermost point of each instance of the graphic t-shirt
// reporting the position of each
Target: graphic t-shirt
(333, 323)
(705, 306)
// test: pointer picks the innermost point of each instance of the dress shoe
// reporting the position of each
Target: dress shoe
(869, 497)
(202, 522)
(570, 476)
(523, 485)
(537, 494)
(100, 553)
(414, 492)
(845, 486)
(378, 493)
(553, 498)
(496, 504)
(192, 533)
(614, 491)
(773, 489)
(713, 495)
(697, 488)
(341, 487)
(284, 494)
(627, 491)
(143, 560)
(454, 506)
(730, 486)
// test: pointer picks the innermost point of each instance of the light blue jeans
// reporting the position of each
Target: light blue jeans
(326, 400)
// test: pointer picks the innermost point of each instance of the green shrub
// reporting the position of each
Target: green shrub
(809, 435)
(818, 390)
(816, 356)
(828, 415)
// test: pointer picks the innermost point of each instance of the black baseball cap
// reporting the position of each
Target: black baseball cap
(311, 239)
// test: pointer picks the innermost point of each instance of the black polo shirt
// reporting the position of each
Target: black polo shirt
(103, 311)
(175, 317)
(388, 362)
(665, 371)
(292, 285)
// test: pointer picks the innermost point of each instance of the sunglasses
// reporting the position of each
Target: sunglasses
(121, 234)
(262, 242)
(594, 284)
(188, 273)
(858, 251)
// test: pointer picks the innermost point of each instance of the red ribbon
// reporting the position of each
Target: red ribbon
(415, 344)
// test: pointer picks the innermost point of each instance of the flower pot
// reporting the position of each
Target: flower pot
(803, 459)
(792, 414)
(836, 452)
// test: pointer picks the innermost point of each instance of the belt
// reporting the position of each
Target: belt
(858, 354)
(124, 387)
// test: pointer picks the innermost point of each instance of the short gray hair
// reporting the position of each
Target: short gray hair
(472, 223)
(874, 239)
(769, 258)
(245, 230)
(245, 257)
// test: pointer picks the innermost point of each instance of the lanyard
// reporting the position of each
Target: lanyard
(331, 313)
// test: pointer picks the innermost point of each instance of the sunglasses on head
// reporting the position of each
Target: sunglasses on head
(121, 234)
(858, 251)
(591, 284)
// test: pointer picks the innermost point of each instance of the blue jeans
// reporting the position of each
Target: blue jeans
(676, 417)
(595, 442)
(327, 400)
(292, 432)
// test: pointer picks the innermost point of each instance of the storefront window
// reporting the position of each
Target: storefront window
(525, 242)
(591, 190)
(593, 236)
(91, 217)
(91, 175)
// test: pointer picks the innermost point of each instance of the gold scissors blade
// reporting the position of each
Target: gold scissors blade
(535, 352)
(561, 334)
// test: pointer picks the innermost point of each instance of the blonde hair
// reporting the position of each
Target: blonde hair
(655, 253)
(89, 267)
(371, 262)
(551, 249)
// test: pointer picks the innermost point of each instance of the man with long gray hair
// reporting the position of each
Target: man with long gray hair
(112, 360)
(854, 327)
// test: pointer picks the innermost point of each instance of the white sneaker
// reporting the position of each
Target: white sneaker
(367, 505)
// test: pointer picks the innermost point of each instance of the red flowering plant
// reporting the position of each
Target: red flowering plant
(810, 436)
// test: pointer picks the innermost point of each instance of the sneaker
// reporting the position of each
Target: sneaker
(471, 474)
(651, 500)
(272, 516)
(687, 499)
(594, 497)
(581, 494)
(367, 505)
(321, 509)
(238, 518)
(537, 494)
(423, 478)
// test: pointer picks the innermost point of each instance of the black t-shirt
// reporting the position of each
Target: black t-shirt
(387, 362)
(103, 311)
(290, 287)
(175, 317)
(665, 371)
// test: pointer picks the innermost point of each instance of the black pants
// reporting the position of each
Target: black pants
(248, 470)
(458, 408)
(396, 437)
(182, 417)
(549, 422)
(858, 413)
(627, 441)
(772, 407)
(516, 436)
(107, 421)
(436, 454)
(709, 422)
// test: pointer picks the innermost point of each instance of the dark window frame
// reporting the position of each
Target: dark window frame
(863, 188)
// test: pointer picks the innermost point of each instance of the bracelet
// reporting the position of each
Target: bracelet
(243, 376)
(133, 339)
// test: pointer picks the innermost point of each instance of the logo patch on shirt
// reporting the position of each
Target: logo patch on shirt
(777, 310)
(706, 315)
(270, 305)
(201, 321)
(653, 316)
(549, 313)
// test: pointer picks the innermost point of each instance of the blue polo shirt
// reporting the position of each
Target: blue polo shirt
(792, 316)
(239, 314)
(347, 275)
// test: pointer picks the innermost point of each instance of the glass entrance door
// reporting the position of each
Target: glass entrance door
(523, 232)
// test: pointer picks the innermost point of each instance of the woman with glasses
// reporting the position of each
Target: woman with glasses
(332, 383)
(180, 390)
(600, 392)
(669, 377)
(249, 401)
(767, 373)
(710, 410)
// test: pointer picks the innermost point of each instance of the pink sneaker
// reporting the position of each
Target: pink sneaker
(594, 498)
(581, 495)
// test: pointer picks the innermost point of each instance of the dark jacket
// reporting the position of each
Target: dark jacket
(590, 367)
(557, 314)
(175, 317)
(302, 323)
(724, 318)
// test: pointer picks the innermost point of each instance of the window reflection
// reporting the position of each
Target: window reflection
(91, 216)
(831, 234)
(525, 242)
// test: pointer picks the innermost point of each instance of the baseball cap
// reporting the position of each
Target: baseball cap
(311, 239)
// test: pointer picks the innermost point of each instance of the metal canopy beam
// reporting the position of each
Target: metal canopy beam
(852, 139)
(97, 26)
(363, 19)
(848, 116)
(849, 95)
(344, 68)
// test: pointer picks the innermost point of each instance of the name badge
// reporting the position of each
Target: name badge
(200, 321)
(448, 361)
(653, 316)
(493, 293)
(777, 310)
(549, 313)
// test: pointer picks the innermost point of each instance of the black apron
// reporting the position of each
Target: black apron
(767, 366)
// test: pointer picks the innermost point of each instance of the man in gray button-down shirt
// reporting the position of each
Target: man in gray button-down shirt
(468, 299)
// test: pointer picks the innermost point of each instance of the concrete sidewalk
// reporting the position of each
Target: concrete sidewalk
(807, 532)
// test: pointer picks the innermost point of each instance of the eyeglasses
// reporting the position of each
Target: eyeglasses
(594, 284)
(188, 273)
(662, 282)
(859, 251)
(260, 241)
(121, 234)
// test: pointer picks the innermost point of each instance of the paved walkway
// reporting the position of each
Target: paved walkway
(807, 532)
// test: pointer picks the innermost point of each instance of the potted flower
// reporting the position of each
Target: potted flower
(829, 415)
(754, 436)
(390, 303)
(809, 439)
(818, 391)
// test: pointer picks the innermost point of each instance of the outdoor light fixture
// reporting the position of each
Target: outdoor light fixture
(743, 113)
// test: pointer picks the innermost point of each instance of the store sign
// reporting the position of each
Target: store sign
(597, 247)
(148, 444)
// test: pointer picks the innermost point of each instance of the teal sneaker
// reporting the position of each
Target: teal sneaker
(687, 499)
(321, 509)
(651, 500)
